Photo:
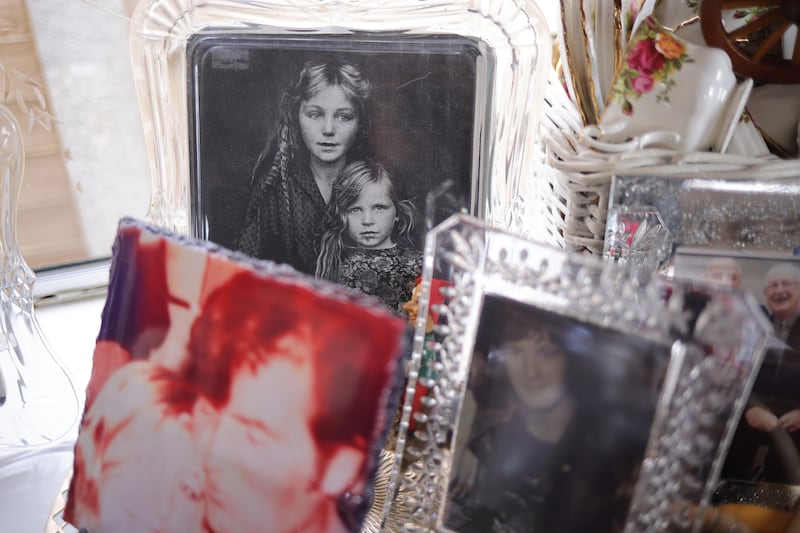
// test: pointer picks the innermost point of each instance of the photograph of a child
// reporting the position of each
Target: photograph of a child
(553, 426)
(294, 138)
(230, 401)
(367, 242)
(766, 445)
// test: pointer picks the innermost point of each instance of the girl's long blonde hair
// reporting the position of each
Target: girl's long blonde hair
(345, 192)
(286, 147)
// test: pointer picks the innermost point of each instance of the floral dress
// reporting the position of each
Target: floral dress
(389, 274)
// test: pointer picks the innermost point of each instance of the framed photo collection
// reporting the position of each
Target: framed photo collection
(331, 136)
(379, 146)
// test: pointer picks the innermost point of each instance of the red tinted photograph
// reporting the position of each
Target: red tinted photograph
(229, 395)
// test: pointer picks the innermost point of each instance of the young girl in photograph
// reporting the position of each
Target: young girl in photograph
(366, 241)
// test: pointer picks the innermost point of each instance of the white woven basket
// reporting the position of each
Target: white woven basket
(573, 181)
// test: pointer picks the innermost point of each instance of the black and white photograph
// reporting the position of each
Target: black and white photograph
(320, 151)
(766, 445)
(553, 425)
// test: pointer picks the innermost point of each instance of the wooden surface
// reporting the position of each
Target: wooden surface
(49, 229)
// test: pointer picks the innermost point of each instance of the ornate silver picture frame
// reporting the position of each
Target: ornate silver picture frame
(455, 89)
(669, 346)
(649, 216)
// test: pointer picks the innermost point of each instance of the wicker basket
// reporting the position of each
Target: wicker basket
(573, 181)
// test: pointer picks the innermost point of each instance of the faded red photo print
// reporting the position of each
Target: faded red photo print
(229, 395)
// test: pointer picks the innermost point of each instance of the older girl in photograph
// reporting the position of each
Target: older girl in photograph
(367, 236)
(322, 125)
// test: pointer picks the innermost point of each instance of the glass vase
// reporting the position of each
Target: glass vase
(39, 403)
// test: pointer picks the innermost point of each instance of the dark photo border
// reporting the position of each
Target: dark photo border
(424, 111)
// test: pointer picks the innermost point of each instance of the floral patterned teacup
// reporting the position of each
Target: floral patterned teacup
(667, 84)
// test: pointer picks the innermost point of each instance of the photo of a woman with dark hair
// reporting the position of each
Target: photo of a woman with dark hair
(554, 441)
(322, 124)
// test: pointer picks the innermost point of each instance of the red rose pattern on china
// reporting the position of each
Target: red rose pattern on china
(653, 58)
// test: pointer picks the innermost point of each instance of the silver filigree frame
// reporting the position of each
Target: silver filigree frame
(714, 353)
(508, 103)
(650, 216)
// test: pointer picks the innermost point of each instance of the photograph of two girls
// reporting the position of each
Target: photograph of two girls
(321, 153)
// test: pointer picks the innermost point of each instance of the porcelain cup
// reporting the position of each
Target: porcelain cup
(667, 84)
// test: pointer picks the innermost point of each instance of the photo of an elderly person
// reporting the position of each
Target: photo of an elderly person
(725, 272)
(323, 123)
(766, 446)
(782, 295)
(562, 415)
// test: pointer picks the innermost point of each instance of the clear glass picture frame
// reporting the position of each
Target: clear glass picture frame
(509, 74)
(696, 366)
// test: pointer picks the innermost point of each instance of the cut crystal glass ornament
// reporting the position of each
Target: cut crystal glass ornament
(38, 400)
